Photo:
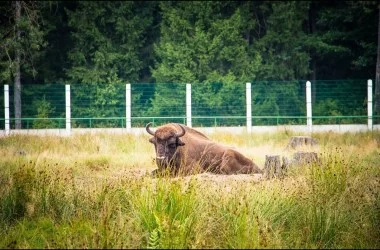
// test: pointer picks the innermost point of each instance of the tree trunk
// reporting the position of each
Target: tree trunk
(17, 73)
(377, 81)
(312, 29)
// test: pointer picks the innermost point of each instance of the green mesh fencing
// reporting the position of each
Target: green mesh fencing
(97, 105)
(2, 114)
(158, 103)
(217, 104)
(339, 102)
(213, 104)
(42, 106)
(278, 102)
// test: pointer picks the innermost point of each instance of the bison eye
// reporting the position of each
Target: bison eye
(172, 145)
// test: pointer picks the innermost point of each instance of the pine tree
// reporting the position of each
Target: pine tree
(109, 38)
(203, 43)
(22, 40)
(282, 46)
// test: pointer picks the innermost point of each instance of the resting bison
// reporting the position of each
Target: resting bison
(180, 149)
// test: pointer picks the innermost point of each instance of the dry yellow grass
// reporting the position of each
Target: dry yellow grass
(94, 191)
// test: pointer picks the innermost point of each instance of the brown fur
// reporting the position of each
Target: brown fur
(200, 154)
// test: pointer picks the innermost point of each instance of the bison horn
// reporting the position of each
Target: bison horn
(148, 129)
(182, 132)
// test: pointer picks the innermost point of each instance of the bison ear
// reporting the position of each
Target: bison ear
(180, 143)
(152, 140)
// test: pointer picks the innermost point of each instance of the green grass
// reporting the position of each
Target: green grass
(91, 191)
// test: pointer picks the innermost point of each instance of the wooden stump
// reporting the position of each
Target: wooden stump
(300, 158)
(297, 141)
(273, 167)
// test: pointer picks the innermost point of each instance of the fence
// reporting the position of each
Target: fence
(199, 105)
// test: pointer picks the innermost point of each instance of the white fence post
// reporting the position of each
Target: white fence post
(6, 109)
(308, 106)
(188, 105)
(128, 112)
(369, 105)
(249, 106)
(68, 110)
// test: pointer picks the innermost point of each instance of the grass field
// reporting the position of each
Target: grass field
(94, 191)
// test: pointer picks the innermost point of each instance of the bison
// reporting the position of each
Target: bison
(183, 150)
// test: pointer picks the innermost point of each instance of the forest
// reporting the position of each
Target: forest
(108, 43)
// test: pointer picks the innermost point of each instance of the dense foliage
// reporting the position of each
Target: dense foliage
(174, 41)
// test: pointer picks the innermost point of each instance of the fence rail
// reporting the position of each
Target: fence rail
(199, 105)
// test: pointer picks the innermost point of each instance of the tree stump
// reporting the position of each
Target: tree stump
(297, 141)
(272, 167)
(301, 158)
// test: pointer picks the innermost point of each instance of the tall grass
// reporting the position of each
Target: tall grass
(94, 191)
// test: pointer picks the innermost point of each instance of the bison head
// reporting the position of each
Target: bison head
(166, 140)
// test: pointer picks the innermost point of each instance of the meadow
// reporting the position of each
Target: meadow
(95, 191)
